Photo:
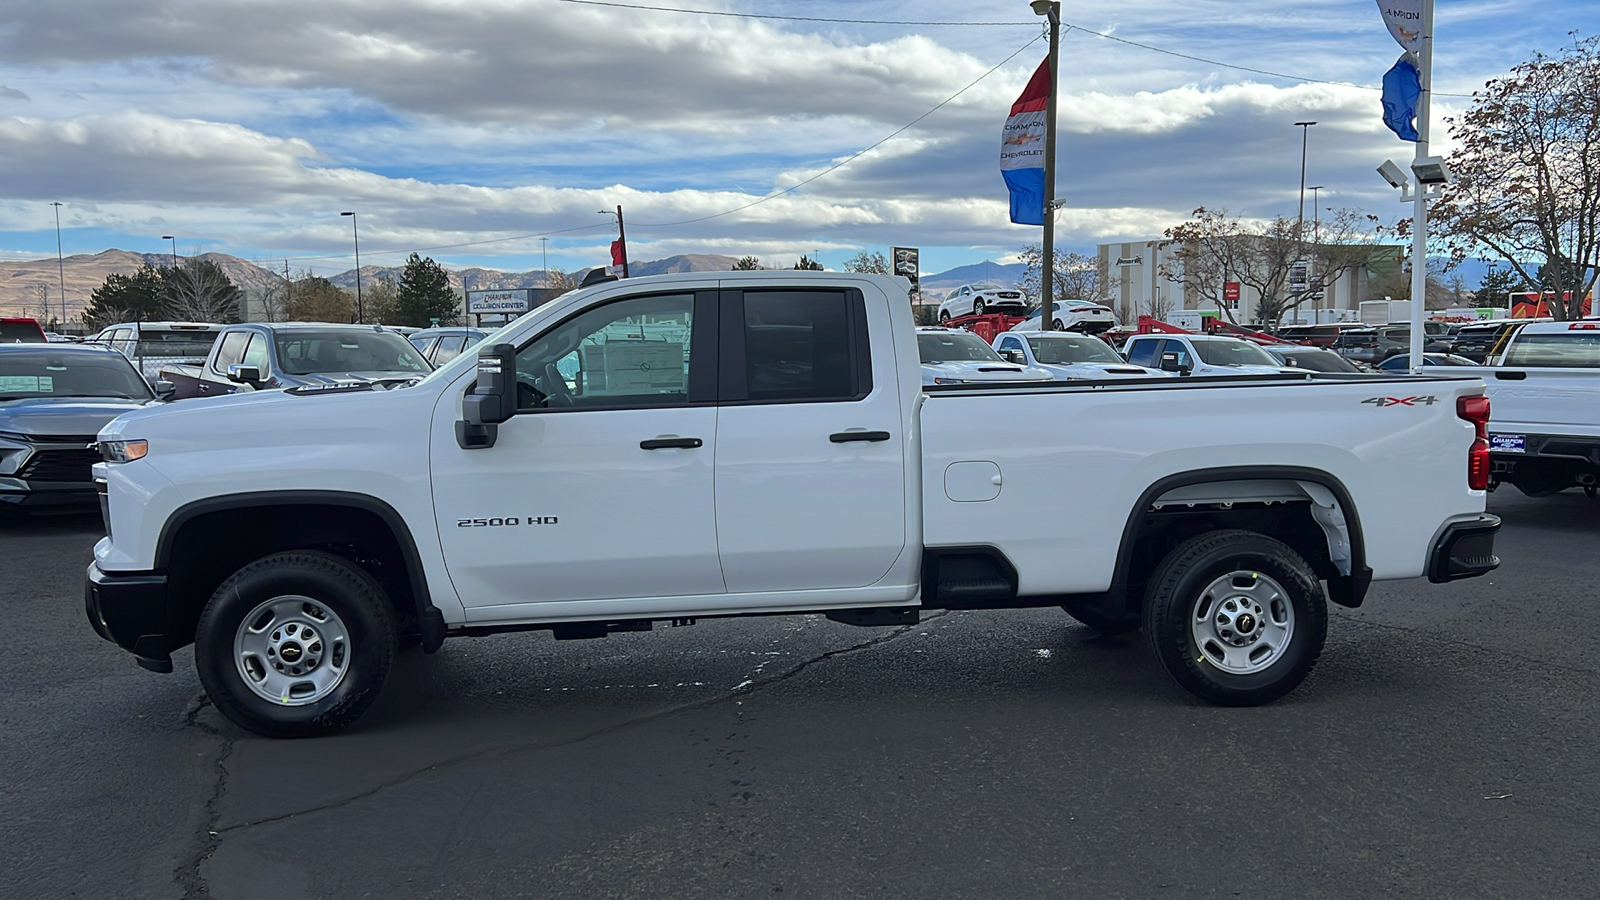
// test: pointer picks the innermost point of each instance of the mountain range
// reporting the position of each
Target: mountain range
(34, 287)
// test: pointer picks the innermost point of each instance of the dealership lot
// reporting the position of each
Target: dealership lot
(1443, 747)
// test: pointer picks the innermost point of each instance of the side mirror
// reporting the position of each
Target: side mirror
(1014, 356)
(250, 375)
(1170, 363)
(493, 399)
(165, 390)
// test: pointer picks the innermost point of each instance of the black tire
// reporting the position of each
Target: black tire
(1056, 325)
(361, 607)
(1179, 586)
(978, 307)
(944, 316)
(1099, 618)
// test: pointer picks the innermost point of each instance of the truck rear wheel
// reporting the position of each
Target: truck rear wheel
(1237, 618)
(295, 644)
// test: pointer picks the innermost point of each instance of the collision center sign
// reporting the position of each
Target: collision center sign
(498, 302)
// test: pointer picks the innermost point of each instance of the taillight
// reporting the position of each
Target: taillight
(1476, 410)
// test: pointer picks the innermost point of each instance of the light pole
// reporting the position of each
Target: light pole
(1300, 223)
(356, 235)
(544, 260)
(174, 239)
(1316, 248)
(1051, 10)
(61, 268)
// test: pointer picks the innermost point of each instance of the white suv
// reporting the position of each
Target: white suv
(1204, 354)
(977, 299)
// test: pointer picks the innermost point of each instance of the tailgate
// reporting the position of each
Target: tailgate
(1540, 400)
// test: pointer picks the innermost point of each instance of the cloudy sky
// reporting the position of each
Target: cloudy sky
(465, 129)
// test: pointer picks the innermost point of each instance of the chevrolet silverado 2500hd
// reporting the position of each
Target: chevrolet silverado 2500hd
(725, 444)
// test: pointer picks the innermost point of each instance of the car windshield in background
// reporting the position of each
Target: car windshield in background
(1233, 353)
(1573, 349)
(71, 374)
(19, 333)
(1068, 350)
(330, 352)
(1321, 361)
(175, 344)
(954, 346)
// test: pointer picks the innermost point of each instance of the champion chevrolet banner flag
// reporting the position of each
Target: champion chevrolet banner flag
(1022, 149)
(1404, 18)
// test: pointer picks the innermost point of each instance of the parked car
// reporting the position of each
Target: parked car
(296, 540)
(17, 330)
(54, 399)
(1324, 335)
(954, 356)
(1072, 315)
(977, 299)
(1544, 391)
(260, 356)
(1069, 356)
(51, 337)
(1400, 363)
(1376, 344)
(1313, 359)
(1477, 340)
(1202, 354)
(151, 345)
(440, 345)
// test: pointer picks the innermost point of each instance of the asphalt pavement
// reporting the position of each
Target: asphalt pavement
(1444, 747)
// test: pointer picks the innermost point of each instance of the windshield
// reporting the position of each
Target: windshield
(1573, 349)
(1321, 361)
(329, 352)
(20, 333)
(176, 344)
(1233, 353)
(1068, 350)
(954, 346)
(74, 374)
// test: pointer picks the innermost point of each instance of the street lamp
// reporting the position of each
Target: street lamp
(174, 239)
(1316, 245)
(356, 235)
(1051, 10)
(61, 270)
(1305, 131)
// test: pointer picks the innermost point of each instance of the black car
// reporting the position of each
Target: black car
(1314, 359)
(1476, 340)
(1376, 344)
(54, 399)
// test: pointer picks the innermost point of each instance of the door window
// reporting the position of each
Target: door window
(231, 351)
(797, 347)
(449, 348)
(1144, 353)
(630, 353)
(1180, 349)
(256, 354)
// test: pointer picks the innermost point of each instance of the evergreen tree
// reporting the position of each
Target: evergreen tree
(127, 298)
(425, 294)
(808, 264)
(313, 299)
(1496, 285)
(746, 263)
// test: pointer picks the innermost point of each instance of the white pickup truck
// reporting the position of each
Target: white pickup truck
(707, 445)
(1544, 383)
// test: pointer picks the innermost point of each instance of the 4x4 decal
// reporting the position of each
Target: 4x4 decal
(1402, 401)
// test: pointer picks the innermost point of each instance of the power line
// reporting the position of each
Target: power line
(853, 157)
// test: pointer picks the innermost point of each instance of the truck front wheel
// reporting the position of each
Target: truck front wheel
(1236, 617)
(295, 644)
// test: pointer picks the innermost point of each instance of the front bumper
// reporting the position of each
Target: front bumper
(130, 610)
(1465, 550)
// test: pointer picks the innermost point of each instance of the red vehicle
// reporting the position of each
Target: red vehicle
(1533, 305)
(21, 331)
(986, 325)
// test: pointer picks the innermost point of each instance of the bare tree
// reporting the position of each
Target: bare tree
(1075, 277)
(560, 281)
(1527, 184)
(199, 291)
(1214, 248)
(868, 263)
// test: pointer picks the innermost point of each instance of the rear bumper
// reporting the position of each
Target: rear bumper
(1465, 550)
(130, 610)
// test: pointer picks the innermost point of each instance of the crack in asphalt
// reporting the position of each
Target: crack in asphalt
(214, 835)
(187, 873)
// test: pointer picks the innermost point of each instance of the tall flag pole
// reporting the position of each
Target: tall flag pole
(1028, 169)
(1411, 24)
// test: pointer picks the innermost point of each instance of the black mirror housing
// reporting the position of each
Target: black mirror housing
(494, 398)
(250, 375)
(1169, 363)
(165, 389)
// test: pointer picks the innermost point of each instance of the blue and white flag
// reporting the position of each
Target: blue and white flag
(1404, 18)
(1022, 149)
(1402, 86)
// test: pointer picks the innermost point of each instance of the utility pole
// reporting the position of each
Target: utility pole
(1419, 218)
(544, 260)
(61, 270)
(356, 234)
(288, 289)
(622, 235)
(1316, 249)
(1051, 10)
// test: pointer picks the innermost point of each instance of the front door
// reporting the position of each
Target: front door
(600, 487)
(810, 471)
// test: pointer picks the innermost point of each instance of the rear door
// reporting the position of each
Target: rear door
(810, 464)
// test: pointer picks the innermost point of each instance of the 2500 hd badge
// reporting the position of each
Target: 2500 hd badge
(498, 521)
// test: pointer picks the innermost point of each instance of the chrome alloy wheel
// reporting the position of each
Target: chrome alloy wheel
(292, 650)
(1242, 622)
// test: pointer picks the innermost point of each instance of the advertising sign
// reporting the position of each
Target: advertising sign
(1230, 291)
(489, 303)
(1299, 276)
(905, 263)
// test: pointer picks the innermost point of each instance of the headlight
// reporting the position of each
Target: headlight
(123, 451)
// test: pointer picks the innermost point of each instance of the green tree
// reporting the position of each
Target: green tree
(868, 263)
(127, 298)
(379, 302)
(1497, 285)
(425, 294)
(313, 299)
(808, 264)
(746, 263)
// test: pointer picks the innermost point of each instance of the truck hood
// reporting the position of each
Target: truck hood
(75, 417)
(1101, 370)
(982, 371)
(329, 379)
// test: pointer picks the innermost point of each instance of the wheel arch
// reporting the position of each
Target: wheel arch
(195, 545)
